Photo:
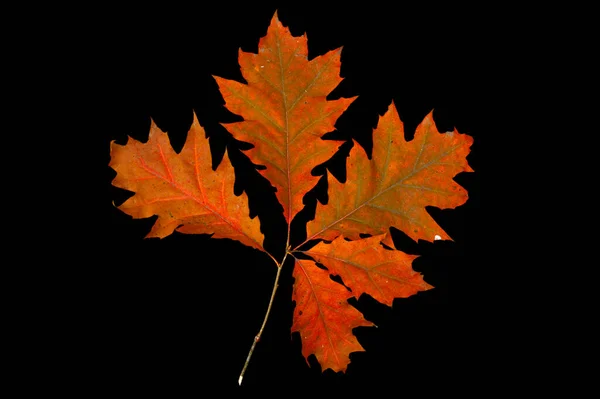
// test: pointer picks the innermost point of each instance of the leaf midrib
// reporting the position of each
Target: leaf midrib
(287, 134)
(321, 315)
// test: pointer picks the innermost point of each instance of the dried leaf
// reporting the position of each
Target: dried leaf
(394, 187)
(285, 111)
(324, 317)
(285, 114)
(366, 266)
(182, 189)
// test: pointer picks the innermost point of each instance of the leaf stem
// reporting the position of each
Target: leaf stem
(262, 327)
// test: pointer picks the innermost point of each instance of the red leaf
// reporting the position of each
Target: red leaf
(324, 317)
(285, 111)
(182, 189)
(366, 266)
(394, 187)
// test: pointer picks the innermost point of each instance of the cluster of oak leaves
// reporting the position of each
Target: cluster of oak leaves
(285, 114)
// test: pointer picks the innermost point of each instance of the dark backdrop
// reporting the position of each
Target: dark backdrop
(179, 314)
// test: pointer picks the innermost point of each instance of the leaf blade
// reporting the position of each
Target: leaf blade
(397, 184)
(182, 189)
(285, 111)
(365, 266)
(323, 317)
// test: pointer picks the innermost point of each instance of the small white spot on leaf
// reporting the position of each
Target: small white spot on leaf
(437, 238)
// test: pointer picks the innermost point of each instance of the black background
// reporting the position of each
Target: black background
(179, 314)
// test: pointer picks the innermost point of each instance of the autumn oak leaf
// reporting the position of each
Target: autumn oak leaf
(365, 266)
(323, 316)
(285, 114)
(182, 189)
(397, 184)
(285, 111)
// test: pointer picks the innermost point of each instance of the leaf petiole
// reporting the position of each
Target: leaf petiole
(262, 327)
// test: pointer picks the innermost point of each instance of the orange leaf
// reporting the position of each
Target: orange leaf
(182, 189)
(394, 188)
(324, 317)
(285, 111)
(366, 266)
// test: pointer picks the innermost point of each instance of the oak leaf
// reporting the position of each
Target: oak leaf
(286, 113)
(323, 316)
(182, 189)
(366, 267)
(394, 187)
